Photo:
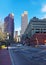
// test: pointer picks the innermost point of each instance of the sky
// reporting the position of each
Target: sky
(33, 7)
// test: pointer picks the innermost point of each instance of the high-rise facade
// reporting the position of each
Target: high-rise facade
(16, 36)
(36, 25)
(24, 22)
(9, 25)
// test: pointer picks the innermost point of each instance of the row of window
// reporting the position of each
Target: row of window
(38, 29)
(40, 32)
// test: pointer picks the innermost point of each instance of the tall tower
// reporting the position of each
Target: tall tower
(16, 36)
(24, 22)
(9, 25)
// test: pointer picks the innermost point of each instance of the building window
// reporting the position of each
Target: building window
(37, 32)
(44, 32)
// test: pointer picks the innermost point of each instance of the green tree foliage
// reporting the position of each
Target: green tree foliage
(2, 36)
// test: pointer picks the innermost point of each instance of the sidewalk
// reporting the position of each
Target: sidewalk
(5, 57)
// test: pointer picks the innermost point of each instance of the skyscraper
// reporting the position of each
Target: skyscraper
(9, 25)
(24, 22)
(16, 36)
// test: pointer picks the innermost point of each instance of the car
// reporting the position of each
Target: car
(19, 45)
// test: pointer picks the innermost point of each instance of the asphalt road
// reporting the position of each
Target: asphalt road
(4, 57)
(25, 55)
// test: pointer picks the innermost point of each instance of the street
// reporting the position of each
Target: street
(24, 55)
(5, 57)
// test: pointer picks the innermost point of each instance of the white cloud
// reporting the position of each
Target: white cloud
(43, 8)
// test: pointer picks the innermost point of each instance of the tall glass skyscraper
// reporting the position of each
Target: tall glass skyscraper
(9, 25)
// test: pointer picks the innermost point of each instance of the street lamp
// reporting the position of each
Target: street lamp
(7, 40)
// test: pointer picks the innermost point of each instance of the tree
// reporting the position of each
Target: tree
(2, 36)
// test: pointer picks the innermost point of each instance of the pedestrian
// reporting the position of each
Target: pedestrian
(0, 45)
(7, 46)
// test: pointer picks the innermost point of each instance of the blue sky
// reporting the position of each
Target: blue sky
(34, 7)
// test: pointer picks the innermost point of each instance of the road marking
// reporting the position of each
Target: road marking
(11, 57)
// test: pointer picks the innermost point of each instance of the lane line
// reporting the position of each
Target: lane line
(11, 57)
